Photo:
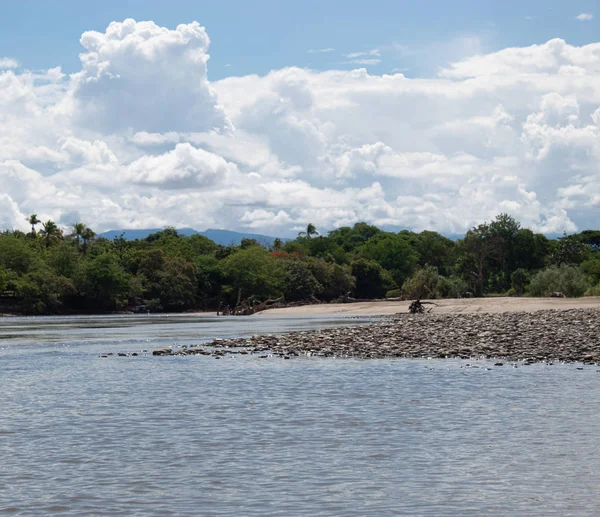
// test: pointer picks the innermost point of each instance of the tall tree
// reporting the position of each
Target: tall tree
(33, 221)
(309, 232)
(50, 233)
(78, 229)
(480, 244)
(277, 244)
(87, 235)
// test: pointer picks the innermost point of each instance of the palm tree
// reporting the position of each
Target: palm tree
(78, 229)
(50, 233)
(309, 232)
(87, 235)
(33, 221)
(277, 244)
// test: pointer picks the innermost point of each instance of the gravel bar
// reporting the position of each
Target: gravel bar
(549, 335)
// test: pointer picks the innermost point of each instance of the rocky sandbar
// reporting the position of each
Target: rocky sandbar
(549, 335)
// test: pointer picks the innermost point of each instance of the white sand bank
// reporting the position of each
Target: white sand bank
(486, 305)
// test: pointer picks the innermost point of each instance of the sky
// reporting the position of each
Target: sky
(263, 116)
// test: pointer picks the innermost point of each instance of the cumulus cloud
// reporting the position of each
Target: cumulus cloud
(8, 62)
(184, 167)
(140, 76)
(139, 137)
(585, 17)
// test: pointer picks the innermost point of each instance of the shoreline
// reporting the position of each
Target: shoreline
(566, 335)
(447, 305)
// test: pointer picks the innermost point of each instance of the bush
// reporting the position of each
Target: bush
(394, 293)
(452, 287)
(593, 291)
(422, 284)
(569, 280)
(518, 281)
(372, 281)
(300, 283)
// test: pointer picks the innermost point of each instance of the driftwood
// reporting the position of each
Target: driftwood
(248, 306)
(416, 307)
(557, 294)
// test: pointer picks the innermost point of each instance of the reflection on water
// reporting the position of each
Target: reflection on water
(189, 436)
(151, 328)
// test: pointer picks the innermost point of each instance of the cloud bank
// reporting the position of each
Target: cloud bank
(140, 137)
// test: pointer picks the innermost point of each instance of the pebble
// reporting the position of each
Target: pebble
(529, 337)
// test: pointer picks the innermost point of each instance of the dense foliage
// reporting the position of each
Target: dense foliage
(47, 271)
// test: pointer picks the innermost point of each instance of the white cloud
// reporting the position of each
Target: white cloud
(585, 17)
(369, 57)
(8, 62)
(321, 51)
(261, 218)
(148, 78)
(140, 138)
(373, 52)
(184, 167)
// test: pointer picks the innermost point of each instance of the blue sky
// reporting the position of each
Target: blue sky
(425, 115)
(256, 36)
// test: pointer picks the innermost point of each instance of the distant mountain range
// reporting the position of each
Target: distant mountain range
(223, 237)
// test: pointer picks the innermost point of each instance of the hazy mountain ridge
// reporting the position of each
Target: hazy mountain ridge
(223, 237)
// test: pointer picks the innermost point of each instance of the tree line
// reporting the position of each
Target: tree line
(52, 271)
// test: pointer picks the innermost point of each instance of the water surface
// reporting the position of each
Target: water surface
(159, 436)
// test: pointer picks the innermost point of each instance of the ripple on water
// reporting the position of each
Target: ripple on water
(88, 436)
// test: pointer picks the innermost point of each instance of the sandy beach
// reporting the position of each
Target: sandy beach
(464, 305)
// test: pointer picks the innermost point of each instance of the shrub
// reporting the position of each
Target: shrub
(372, 281)
(518, 281)
(569, 280)
(300, 283)
(423, 283)
(394, 293)
(593, 291)
(452, 287)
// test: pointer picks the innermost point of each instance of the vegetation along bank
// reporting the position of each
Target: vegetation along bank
(54, 271)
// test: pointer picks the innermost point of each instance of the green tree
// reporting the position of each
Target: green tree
(42, 291)
(530, 250)
(335, 279)
(436, 250)
(77, 232)
(569, 251)
(591, 267)
(352, 238)
(504, 228)
(518, 280)
(33, 221)
(253, 271)
(479, 246)
(103, 282)
(372, 281)
(177, 285)
(247, 242)
(392, 252)
(300, 283)
(16, 253)
(309, 232)
(50, 233)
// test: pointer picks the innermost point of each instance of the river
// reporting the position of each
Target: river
(82, 435)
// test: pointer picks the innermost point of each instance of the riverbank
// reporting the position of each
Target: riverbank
(548, 335)
(453, 306)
